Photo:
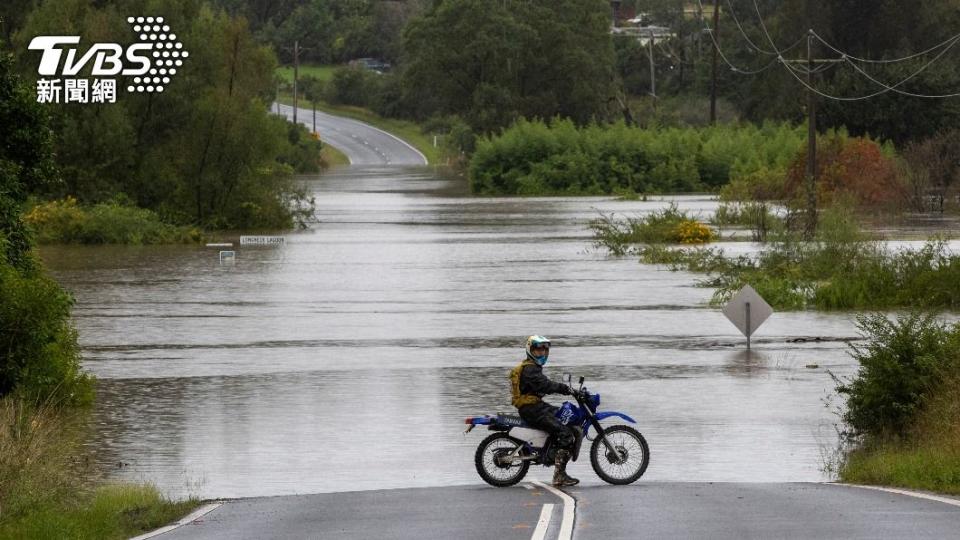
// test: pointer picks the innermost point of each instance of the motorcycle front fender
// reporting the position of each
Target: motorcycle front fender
(607, 414)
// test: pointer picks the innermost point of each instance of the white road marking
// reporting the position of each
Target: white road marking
(569, 508)
(528, 486)
(541, 531)
(908, 493)
(204, 510)
(287, 111)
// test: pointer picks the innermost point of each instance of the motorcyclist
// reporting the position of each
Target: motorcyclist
(528, 386)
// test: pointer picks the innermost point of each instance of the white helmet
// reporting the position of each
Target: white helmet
(537, 342)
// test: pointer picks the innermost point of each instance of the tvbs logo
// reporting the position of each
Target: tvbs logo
(150, 63)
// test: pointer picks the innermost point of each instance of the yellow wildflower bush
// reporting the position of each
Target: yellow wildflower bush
(693, 232)
(61, 220)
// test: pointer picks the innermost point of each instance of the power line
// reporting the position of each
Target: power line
(734, 68)
(886, 88)
(894, 87)
(745, 36)
(888, 61)
(828, 63)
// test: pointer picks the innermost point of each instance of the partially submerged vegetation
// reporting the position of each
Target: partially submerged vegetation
(559, 158)
(902, 416)
(668, 225)
(66, 222)
(837, 269)
(48, 487)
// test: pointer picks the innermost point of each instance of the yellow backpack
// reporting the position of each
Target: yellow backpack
(517, 399)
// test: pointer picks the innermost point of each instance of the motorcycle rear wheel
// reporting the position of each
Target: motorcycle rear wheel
(631, 460)
(493, 472)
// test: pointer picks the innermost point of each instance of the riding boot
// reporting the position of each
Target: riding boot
(560, 476)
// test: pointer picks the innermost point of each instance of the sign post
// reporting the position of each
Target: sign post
(747, 310)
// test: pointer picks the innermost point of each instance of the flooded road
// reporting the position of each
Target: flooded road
(346, 358)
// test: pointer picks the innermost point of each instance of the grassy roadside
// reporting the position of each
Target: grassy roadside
(903, 406)
(333, 157)
(927, 458)
(926, 468)
(49, 488)
(406, 130)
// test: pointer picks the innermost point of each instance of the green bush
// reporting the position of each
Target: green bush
(67, 222)
(667, 225)
(352, 85)
(838, 269)
(41, 359)
(558, 158)
(900, 364)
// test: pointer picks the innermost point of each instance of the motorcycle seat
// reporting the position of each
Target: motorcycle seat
(512, 420)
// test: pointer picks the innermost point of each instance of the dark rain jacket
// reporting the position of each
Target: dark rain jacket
(529, 384)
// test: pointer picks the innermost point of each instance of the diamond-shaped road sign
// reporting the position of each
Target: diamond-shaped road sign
(747, 310)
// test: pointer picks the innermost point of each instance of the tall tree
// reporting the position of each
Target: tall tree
(26, 164)
(491, 62)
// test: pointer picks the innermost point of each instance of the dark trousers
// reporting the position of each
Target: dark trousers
(543, 416)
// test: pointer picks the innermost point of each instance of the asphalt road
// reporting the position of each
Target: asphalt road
(362, 143)
(714, 511)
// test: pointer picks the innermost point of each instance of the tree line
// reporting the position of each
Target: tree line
(205, 151)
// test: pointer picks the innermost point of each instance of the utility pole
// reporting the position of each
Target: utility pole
(297, 49)
(296, 74)
(716, 50)
(811, 144)
(810, 227)
(653, 71)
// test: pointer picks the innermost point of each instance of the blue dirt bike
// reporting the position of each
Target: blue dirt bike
(619, 454)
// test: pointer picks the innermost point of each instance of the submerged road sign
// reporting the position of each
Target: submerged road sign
(747, 310)
(261, 240)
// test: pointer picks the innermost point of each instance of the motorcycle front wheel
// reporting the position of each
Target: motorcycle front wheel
(630, 460)
(490, 464)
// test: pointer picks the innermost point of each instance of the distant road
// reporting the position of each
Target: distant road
(715, 511)
(362, 143)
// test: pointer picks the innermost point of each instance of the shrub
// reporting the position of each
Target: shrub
(65, 221)
(352, 86)
(560, 158)
(41, 358)
(848, 167)
(689, 231)
(838, 269)
(900, 364)
(668, 225)
(934, 166)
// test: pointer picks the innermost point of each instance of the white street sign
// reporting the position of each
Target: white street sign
(261, 240)
(747, 310)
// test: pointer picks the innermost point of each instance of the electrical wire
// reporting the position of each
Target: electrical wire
(733, 14)
(897, 90)
(734, 68)
(887, 88)
(800, 68)
(889, 61)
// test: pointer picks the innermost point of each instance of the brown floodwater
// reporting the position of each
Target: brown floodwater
(347, 358)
